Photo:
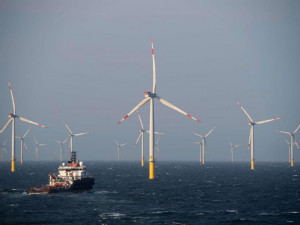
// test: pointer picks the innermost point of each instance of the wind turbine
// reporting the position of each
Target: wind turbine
(293, 141)
(3, 149)
(251, 136)
(232, 146)
(61, 143)
(13, 116)
(72, 135)
(37, 145)
(156, 144)
(119, 146)
(204, 143)
(23, 143)
(200, 144)
(289, 144)
(141, 135)
(150, 96)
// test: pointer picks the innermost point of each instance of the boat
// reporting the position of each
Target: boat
(72, 177)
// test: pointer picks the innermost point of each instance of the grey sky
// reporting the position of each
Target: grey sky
(89, 63)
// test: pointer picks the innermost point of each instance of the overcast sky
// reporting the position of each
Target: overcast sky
(89, 63)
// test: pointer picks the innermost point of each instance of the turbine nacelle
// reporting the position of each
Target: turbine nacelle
(251, 123)
(12, 115)
(149, 94)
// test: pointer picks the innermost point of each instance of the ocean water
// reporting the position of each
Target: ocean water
(183, 193)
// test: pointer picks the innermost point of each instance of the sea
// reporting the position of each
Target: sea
(182, 193)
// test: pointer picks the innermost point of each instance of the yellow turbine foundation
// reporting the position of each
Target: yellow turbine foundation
(151, 170)
(252, 164)
(13, 165)
(292, 162)
(142, 161)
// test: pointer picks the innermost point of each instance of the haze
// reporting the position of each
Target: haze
(89, 63)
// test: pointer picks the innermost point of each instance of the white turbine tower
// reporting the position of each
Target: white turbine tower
(73, 135)
(13, 116)
(251, 136)
(204, 143)
(141, 136)
(119, 146)
(150, 96)
(200, 144)
(3, 149)
(37, 145)
(23, 143)
(232, 146)
(293, 142)
(61, 143)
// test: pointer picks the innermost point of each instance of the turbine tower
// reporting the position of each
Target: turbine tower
(23, 143)
(150, 96)
(293, 142)
(61, 143)
(251, 136)
(73, 135)
(232, 146)
(200, 144)
(3, 149)
(119, 146)
(204, 143)
(141, 135)
(37, 145)
(13, 116)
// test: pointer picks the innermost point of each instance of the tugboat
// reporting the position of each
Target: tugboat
(71, 178)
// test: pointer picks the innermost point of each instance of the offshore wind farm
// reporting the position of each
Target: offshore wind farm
(87, 64)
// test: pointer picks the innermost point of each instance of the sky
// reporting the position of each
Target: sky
(89, 63)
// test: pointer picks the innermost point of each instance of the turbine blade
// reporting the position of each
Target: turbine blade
(175, 108)
(4, 143)
(199, 143)
(29, 121)
(25, 146)
(155, 132)
(35, 141)
(142, 125)
(296, 129)
(266, 121)
(12, 97)
(65, 140)
(245, 111)
(229, 142)
(250, 137)
(137, 141)
(287, 141)
(284, 132)
(154, 72)
(210, 132)
(70, 132)
(26, 132)
(5, 126)
(135, 108)
(198, 135)
(297, 144)
(80, 134)
(42, 144)
(58, 141)
(235, 146)
(157, 140)
(123, 144)
(157, 149)
(117, 143)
